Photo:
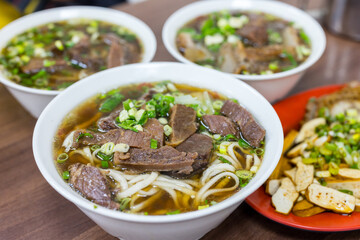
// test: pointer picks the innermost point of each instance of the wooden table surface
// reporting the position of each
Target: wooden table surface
(31, 209)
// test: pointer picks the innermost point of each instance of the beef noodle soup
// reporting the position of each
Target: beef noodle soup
(248, 43)
(158, 148)
(55, 55)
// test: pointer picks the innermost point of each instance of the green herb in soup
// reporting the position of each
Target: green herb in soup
(158, 148)
(243, 43)
(55, 55)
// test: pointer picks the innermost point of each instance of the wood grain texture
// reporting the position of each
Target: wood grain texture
(31, 209)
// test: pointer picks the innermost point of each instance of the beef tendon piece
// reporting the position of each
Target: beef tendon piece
(183, 124)
(92, 184)
(250, 129)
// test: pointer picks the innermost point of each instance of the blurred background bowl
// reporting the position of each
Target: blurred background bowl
(191, 225)
(274, 86)
(35, 100)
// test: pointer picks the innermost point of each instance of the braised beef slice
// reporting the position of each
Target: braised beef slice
(97, 138)
(250, 129)
(37, 64)
(197, 143)
(162, 159)
(135, 139)
(182, 121)
(220, 125)
(131, 138)
(156, 129)
(116, 51)
(92, 184)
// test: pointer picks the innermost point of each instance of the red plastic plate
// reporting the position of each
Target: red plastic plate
(291, 111)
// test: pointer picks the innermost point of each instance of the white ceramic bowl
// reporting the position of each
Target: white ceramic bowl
(35, 100)
(273, 86)
(187, 226)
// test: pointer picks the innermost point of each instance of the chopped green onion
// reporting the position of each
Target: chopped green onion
(59, 45)
(273, 66)
(333, 168)
(304, 36)
(123, 116)
(309, 160)
(163, 121)
(94, 147)
(111, 103)
(200, 112)
(83, 135)
(173, 212)
(124, 203)
(217, 105)
(104, 157)
(346, 191)
(104, 164)
(325, 151)
(66, 175)
(62, 157)
(107, 148)
(126, 104)
(167, 130)
(48, 63)
(230, 136)
(322, 181)
(139, 103)
(259, 151)
(203, 207)
(244, 174)
(244, 144)
(224, 160)
(153, 144)
(331, 146)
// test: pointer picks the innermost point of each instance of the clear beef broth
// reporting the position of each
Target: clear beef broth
(55, 55)
(249, 43)
(163, 200)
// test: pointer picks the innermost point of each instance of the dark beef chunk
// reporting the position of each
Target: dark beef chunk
(37, 64)
(250, 129)
(116, 52)
(92, 184)
(80, 55)
(162, 159)
(108, 122)
(182, 121)
(156, 129)
(255, 30)
(197, 143)
(220, 125)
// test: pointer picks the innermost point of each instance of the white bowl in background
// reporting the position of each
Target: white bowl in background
(35, 100)
(191, 225)
(274, 86)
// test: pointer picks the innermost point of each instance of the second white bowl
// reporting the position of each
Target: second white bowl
(274, 86)
(35, 100)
